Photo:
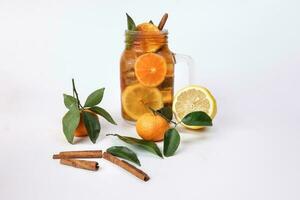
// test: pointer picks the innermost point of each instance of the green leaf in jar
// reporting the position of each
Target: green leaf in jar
(197, 118)
(143, 144)
(130, 23)
(171, 142)
(130, 35)
(92, 125)
(125, 153)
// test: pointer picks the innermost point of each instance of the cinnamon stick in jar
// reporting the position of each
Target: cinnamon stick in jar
(78, 154)
(82, 164)
(163, 21)
(125, 165)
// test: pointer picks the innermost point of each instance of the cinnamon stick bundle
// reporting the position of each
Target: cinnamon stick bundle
(82, 164)
(78, 154)
(125, 165)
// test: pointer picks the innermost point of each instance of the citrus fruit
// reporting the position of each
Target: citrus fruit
(151, 127)
(150, 37)
(150, 69)
(81, 130)
(167, 96)
(146, 27)
(136, 100)
(194, 98)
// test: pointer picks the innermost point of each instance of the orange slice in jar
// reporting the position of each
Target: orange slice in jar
(136, 100)
(150, 69)
(147, 27)
(151, 38)
(167, 96)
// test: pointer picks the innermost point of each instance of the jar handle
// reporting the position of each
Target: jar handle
(188, 60)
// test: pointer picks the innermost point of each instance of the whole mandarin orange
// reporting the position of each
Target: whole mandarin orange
(151, 127)
(81, 130)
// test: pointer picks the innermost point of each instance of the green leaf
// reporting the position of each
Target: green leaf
(197, 118)
(166, 112)
(94, 98)
(70, 122)
(92, 125)
(146, 145)
(171, 142)
(124, 152)
(130, 36)
(129, 40)
(103, 113)
(69, 100)
(130, 23)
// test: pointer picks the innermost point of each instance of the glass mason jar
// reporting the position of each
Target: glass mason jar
(147, 73)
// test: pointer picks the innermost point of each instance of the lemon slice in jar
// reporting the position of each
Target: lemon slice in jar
(136, 100)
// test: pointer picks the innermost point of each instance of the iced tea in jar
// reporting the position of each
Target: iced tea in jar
(146, 71)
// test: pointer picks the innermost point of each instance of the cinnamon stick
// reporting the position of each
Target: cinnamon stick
(82, 164)
(78, 154)
(163, 21)
(125, 165)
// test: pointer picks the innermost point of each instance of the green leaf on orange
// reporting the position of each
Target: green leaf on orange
(70, 122)
(94, 98)
(166, 112)
(69, 100)
(92, 125)
(100, 111)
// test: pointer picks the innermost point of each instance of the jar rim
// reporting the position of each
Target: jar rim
(163, 32)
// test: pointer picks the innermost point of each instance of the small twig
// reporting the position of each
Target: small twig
(110, 134)
(74, 94)
(75, 91)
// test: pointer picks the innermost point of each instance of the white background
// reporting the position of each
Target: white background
(246, 52)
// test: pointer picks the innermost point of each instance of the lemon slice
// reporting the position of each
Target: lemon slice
(136, 100)
(194, 98)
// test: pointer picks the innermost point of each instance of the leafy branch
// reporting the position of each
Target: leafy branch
(86, 116)
(171, 136)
